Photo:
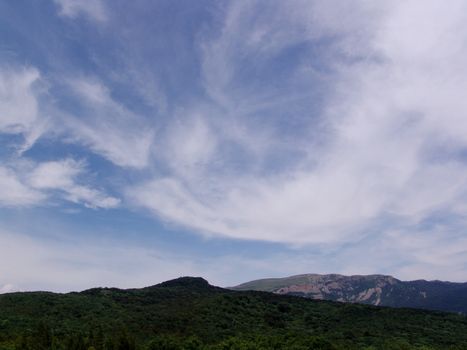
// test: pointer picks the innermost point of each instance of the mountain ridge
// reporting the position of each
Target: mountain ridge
(189, 313)
(375, 289)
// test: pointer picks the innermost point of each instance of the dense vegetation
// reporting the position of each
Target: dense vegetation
(190, 314)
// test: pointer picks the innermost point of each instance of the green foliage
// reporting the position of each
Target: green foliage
(189, 314)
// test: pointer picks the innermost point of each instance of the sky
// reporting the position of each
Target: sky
(146, 140)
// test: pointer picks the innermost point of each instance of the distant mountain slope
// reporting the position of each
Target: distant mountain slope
(189, 313)
(370, 289)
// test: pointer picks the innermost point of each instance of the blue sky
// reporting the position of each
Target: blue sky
(145, 140)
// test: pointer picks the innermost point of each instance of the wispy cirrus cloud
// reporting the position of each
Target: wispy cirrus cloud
(62, 176)
(106, 126)
(18, 101)
(16, 193)
(20, 95)
(358, 157)
(48, 181)
(101, 123)
(385, 143)
(30, 112)
(94, 9)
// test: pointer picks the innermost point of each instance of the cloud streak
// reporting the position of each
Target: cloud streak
(94, 9)
(20, 94)
(61, 176)
(15, 193)
(48, 180)
(393, 126)
(107, 127)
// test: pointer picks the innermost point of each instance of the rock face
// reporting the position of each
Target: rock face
(369, 289)
(358, 289)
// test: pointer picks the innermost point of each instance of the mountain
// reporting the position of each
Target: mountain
(371, 289)
(189, 313)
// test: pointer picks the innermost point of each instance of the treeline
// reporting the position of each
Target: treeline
(43, 338)
(190, 314)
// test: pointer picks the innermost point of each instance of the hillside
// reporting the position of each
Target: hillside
(188, 313)
(371, 289)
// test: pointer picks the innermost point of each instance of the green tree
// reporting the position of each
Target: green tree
(42, 337)
(164, 343)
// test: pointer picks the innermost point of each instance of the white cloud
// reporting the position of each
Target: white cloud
(257, 32)
(55, 174)
(25, 184)
(91, 198)
(190, 144)
(15, 193)
(17, 100)
(95, 9)
(61, 175)
(19, 104)
(107, 127)
(394, 126)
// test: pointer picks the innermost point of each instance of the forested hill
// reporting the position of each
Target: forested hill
(369, 289)
(188, 313)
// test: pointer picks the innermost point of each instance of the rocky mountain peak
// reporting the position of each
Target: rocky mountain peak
(368, 289)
